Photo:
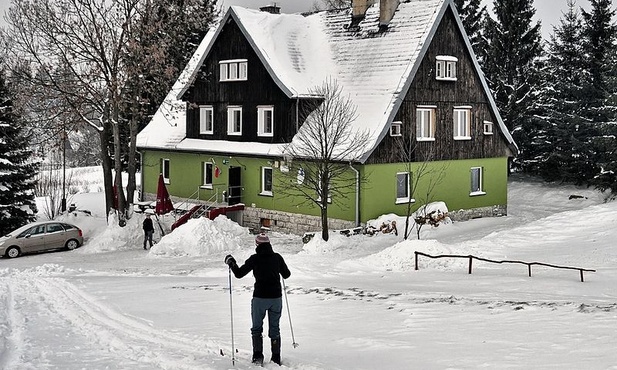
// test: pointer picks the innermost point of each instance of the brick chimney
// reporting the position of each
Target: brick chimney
(386, 11)
(358, 8)
(274, 9)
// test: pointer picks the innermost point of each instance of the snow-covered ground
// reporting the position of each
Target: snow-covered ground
(355, 302)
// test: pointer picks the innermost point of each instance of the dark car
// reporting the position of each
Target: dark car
(39, 237)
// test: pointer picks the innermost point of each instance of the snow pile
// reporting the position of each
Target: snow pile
(202, 236)
(401, 256)
(336, 243)
(114, 237)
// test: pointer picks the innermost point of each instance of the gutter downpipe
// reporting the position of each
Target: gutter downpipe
(357, 194)
(141, 176)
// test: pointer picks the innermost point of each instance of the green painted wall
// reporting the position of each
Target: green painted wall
(378, 194)
(186, 174)
(379, 191)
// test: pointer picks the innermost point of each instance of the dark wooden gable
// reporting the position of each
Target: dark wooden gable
(425, 89)
(258, 90)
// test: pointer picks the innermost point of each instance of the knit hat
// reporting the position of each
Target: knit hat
(262, 238)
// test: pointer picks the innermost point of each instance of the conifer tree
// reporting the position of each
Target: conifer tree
(566, 152)
(17, 168)
(511, 67)
(473, 17)
(600, 98)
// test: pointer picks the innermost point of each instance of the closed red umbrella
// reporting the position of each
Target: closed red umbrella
(163, 203)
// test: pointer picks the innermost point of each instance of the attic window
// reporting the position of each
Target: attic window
(233, 70)
(445, 68)
(488, 128)
(395, 128)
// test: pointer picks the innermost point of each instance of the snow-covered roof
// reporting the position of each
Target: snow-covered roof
(373, 67)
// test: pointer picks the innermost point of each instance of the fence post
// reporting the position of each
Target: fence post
(582, 281)
(529, 268)
(470, 263)
(416, 257)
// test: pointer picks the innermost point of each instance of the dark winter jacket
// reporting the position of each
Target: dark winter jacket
(266, 266)
(148, 225)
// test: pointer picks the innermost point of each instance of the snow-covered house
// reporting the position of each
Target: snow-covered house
(408, 68)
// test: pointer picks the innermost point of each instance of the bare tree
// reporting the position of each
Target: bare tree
(91, 58)
(424, 175)
(330, 4)
(323, 151)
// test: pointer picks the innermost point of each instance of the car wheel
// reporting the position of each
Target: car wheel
(72, 244)
(13, 252)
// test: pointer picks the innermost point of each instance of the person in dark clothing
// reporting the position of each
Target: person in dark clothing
(267, 295)
(148, 230)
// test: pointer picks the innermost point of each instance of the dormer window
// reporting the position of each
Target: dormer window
(445, 68)
(233, 70)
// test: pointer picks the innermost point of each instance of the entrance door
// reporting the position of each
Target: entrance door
(235, 186)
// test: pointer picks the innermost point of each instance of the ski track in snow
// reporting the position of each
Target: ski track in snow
(58, 305)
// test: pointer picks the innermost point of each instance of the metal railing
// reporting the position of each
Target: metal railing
(529, 264)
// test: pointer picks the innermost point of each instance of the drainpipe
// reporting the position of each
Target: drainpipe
(357, 194)
(141, 175)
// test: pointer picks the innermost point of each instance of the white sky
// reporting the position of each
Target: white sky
(548, 11)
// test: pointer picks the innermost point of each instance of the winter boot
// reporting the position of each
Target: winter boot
(276, 350)
(258, 350)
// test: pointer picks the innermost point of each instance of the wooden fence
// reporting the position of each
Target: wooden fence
(529, 264)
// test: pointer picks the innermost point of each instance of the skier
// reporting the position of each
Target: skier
(148, 230)
(267, 295)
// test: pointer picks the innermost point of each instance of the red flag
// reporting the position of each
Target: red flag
(163, 203)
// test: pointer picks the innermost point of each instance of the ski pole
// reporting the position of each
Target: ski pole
(231, 309)
(293, 339)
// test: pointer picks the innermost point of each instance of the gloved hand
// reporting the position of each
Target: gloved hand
(230, 260)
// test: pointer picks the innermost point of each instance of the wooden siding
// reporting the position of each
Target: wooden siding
(445, 95)
(258, 90)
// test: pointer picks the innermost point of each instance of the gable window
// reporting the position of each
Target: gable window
(165, 170)
(462, 123)
(403, 188)
(207, 175)
(488, 128)
(395, 128)
(234, 120)
(425, 123)
(233, 70)
(476, 181)
(445, 68)
(266, 181)
(206, 118)
(265, 121)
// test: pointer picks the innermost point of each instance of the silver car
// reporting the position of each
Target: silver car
(39, 237)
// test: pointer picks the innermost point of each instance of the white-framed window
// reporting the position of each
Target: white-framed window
(234, 120)
(425, 123)
(445, 67)
(395, 128)
(233, 70)
(488, 128)
(403, 188)
(477, 181)
(206, 119)
(208, 171)
(266, 181)
(462, 123)
(165, 167)
(265, 120)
